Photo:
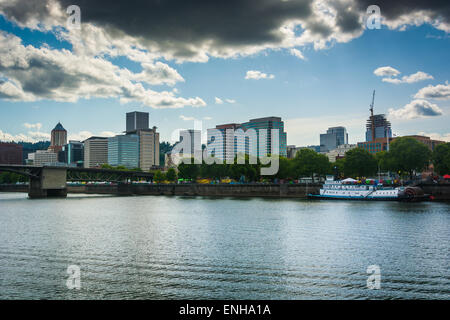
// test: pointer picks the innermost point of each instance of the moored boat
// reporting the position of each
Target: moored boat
(350, 189)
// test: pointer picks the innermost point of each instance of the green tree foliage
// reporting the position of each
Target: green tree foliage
(10, 177)
(359, 163)
(441, 158)
(285, 169)
(338, 167)
(189, 170)
(164, 147)
(408, 155)
(159, 176)
(307, 162)
(171, 174)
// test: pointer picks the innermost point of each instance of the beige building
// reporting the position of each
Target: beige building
(42, 157)
(339, 152)
(95, 152)
(148, 148)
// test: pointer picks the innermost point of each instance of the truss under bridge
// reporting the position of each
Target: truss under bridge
(51, 181)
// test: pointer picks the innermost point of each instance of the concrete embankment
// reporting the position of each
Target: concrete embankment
(219, 190)
(13, 188)
(439, 191)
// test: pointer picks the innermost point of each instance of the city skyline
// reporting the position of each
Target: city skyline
(312, 83)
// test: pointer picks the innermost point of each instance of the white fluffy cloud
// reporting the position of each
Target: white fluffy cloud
(438, 92)
(35, 136)
(221, 101)
(390, 75)
(436, 136)
(42, 73)
(416, 109)
(257, 75)
(386, 72)
(186, 118)
(36, 126)
(297, 53)
(415, 77)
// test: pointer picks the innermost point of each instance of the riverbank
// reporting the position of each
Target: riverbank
(440, 192)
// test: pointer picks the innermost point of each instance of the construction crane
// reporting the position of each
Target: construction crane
(372, 119)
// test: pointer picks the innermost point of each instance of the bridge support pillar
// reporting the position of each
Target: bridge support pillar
(51, 182)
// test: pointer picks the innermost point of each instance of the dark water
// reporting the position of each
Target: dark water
(197, 248)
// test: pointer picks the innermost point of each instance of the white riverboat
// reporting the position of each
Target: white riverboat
(350, 189)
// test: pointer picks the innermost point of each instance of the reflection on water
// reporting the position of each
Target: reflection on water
(159, 247)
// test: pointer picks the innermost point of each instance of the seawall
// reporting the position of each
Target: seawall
(440, 191)
(212, 190)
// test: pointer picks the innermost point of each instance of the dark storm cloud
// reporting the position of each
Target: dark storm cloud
(231, 22)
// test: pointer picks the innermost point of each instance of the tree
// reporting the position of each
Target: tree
(307, 162)
(171, 174)
(159, 176)
(164, 147)
(408, 155)
(338, 167)
(359, 163)
(189, 170)
(441, 158)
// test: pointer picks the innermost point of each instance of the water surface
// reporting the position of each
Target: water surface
(156, 247)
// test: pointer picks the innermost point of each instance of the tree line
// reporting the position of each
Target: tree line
(406, 157)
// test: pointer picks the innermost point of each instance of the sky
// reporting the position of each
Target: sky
(314, 63)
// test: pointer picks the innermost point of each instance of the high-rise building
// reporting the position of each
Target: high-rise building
(378, 127)
(123, 150)
(334, 137)
(245, 138)
(58, 138)
(73, 153)
(137, 120)
(148, 148)
(95, 152)
(43, 157)
(222, 146)
(268, 123)
(10, 153)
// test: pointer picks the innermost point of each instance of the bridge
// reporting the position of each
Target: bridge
(51, 181)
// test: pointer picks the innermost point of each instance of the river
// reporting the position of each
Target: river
(157, 247)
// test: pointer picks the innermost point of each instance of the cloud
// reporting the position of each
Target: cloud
(297, 53)
(195, 31)
(36, 126)
(438, 92)
(400, 14)
(42, 73)
(390, 75)
(185, 118)
(207, 118)
(386, 72)
(257, 75)
(305, 131)
(416, 77)
(35, 136)
(416, 109)
(436, 136)
(221, 101)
